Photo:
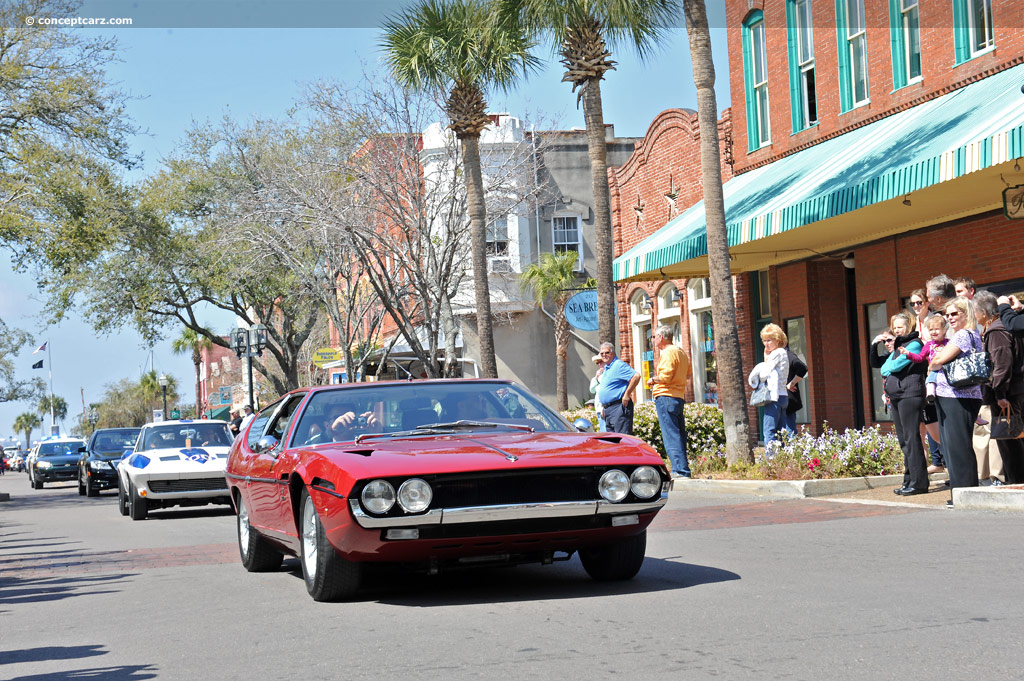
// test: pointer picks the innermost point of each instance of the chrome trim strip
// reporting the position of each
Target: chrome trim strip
(366, 520)
(486, 514)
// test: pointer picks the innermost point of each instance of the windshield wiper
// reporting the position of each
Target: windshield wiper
(442, 428)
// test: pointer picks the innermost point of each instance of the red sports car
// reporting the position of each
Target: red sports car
(436, 475)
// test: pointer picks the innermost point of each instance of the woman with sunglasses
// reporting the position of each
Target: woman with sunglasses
(929, 417)
(958, 407)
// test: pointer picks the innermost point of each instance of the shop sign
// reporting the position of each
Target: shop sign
(581, 311)
(1013, 202)
(325, 355)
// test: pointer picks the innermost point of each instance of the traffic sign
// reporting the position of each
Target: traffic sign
(175, 414)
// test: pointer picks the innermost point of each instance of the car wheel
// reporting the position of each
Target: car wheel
(81, 487)
(35, 483)
(257, 554)
(122, 501)
(90, 490)
(617, 561)
(328, 576)
(137, 506)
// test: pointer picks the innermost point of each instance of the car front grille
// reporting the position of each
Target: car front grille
(520, 487)
(188, 485)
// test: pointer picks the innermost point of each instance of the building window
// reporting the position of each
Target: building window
(973, 32)
(906, 42)
(702, 342)
(803, 100)
(565, 235)
(878, 322)
(796, 332)
(853, 54)
(497, 236)
(755, 74)
(764, 298)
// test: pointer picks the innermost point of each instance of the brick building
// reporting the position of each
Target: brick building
(867, 148)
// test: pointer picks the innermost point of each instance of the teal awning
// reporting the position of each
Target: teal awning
(768, 209)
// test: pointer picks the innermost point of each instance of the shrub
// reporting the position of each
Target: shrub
(705, 428)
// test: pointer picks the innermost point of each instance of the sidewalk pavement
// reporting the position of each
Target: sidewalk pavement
(869, 490)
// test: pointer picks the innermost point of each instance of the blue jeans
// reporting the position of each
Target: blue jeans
(774, 418)
(673, 431)
(791, 422)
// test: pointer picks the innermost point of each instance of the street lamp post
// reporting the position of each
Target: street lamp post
(163, 385)
(93, 417)
(249, 343)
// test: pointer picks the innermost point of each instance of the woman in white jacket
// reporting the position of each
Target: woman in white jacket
(776, 367)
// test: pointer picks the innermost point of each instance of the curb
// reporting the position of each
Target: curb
(4, 496)
(1006, 498)
(793, 489)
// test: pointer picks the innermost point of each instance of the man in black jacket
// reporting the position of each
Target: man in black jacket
(1011, 311)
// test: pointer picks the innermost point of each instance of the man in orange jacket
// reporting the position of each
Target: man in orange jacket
(668, 385)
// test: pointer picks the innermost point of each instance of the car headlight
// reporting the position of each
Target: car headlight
(414, 495)
(378, 496)
(44, 464)
(614, 485)
(645, 482)
(99, 465)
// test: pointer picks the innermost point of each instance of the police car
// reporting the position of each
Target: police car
(174, 463)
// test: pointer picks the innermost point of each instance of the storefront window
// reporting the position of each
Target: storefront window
(878, 321)
(796, 333)
(702, 342)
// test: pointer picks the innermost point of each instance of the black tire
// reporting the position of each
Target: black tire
(328, 576)
(137, 506)
(256, 553)
(122, 499)
(90, 490)
(81, 487)
(618, 561)
(35, 483)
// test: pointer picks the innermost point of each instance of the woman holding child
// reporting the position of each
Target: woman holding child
(958, 407)
(904, 386)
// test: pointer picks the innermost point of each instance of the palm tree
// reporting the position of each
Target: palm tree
(195, 343)
(26, 423)
(151, 392)
(462, 48)
(59, 407)
(731, 393)
(582, 31)
(552, 278)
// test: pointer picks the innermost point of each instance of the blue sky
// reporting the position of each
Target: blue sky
(180, 75)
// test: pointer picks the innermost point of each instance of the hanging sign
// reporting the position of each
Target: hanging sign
(1013, 202)
(325, 355)
(581, 311)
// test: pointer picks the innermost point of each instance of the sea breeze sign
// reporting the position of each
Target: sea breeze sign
(1013, 202)
(325, 355)
(581, 311)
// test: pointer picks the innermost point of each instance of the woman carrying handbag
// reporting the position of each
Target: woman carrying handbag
(958, 407)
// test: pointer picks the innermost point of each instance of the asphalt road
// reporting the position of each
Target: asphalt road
(733, 588)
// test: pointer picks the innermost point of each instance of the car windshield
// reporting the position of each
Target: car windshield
(185, 435)
(344, 413)
(108, 441)
(60, 448)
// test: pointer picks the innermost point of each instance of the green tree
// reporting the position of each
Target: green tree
(731, 391)
(13, 389)
(193, 343)
(461, 49)
(552, 278)
(582, 31)
(152, 393)
(63, 138)
(52, 405)
(25, 423)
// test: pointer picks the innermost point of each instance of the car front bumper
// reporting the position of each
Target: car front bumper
(56, 473)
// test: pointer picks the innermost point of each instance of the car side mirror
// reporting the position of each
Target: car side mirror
(583, 425)
(265, 444)
(82, 449)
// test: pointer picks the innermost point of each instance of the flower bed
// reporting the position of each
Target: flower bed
(803, 456)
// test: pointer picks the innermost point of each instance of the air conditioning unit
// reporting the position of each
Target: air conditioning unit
(499, 265)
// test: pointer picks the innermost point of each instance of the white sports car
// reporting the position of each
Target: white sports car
(174, 463)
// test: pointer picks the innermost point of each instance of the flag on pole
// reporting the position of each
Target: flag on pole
(38, 365)
(40, 348)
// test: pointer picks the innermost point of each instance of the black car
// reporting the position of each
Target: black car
(54, 461)
(97, 468)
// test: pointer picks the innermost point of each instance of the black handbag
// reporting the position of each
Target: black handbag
(1008, 425)
(969, 369)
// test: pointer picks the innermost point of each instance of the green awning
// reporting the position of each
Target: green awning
(882, 178)
(220, 413)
